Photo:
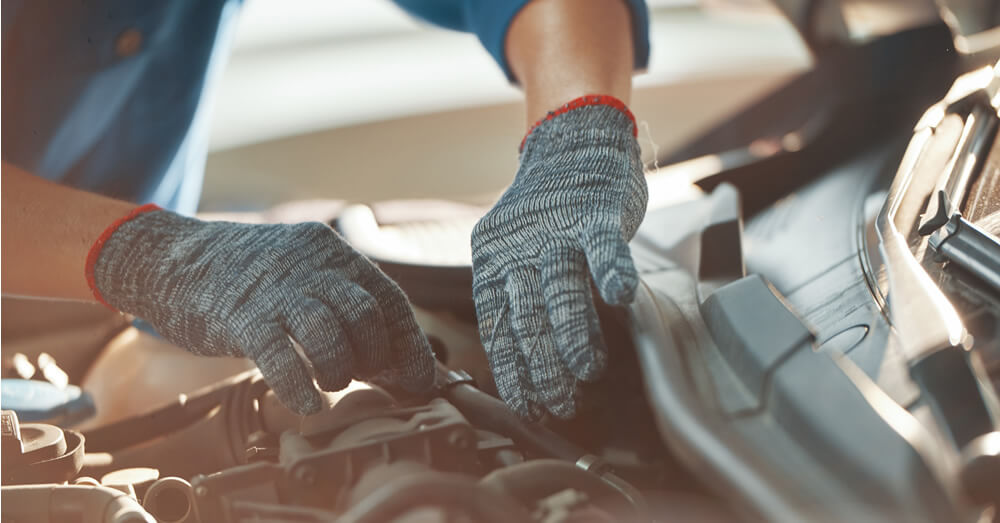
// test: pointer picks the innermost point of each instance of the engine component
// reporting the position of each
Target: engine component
(132, 481)
(170, 500)
(932, 336)
(366, 458)
(39, 453)
(980, 473)
(318, 467)
(492, 414)
(403, 487)
(535, 481)
(79, 503)
(209, 431)
(972, 248)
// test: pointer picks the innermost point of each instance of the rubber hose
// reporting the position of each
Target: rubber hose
(487, 412)
(170, 500)
(80, 503)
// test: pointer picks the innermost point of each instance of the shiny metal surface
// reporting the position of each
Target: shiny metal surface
(924, 318)
(980, 127)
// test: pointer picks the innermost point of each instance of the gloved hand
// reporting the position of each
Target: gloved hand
(220, 288)
(575, 202)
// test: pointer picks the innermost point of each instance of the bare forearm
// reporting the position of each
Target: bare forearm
(562, 49)
(47, 231)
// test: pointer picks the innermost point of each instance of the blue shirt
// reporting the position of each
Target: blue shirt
(108, 95)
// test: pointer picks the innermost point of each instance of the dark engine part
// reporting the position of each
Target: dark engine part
(207, 430)
(318, 466)
(365, 458)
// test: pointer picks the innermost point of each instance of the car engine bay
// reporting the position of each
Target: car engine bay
(824, 346)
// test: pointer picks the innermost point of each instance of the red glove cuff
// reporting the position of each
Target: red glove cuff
(95, 249)
(584, 101)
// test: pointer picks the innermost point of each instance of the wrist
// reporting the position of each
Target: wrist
(582, 102)
(94, 253)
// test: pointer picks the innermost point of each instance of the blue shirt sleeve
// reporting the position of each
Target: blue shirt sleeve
(489, 19)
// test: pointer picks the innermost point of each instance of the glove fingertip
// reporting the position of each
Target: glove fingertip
(311, 405)
(523, 402)
(617, 286)
(561, 402)
(420, 380)
(415, 371)
(591, 366)
(333, 381)
(611, 265)
(529, 411)
(288, 377)
(304, 400)
(564, 411)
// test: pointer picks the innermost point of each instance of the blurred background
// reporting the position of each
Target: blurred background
(355, 100)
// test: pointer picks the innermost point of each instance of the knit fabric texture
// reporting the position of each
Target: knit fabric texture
(266, 292)
(577, 199)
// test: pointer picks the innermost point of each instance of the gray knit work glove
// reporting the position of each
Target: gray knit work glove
(221, 288)
(575, 202)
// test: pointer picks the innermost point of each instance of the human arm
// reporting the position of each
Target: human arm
(491, 20)
(559, 50)
(219, 288)
(47, 231)
(576, 200)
